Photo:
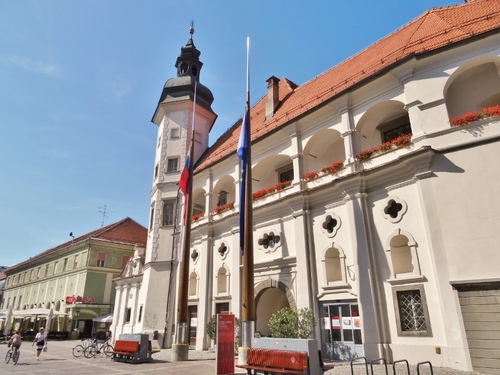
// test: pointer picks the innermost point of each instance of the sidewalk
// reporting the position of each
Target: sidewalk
(59, 360)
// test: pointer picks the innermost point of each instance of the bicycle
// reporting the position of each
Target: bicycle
(12, 353)
(95, 349)
(79, 350)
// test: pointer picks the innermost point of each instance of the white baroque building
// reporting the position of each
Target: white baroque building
(370, 206)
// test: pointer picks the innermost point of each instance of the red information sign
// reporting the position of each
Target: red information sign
(225, 344)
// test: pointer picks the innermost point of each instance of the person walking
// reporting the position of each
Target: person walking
(41, 342)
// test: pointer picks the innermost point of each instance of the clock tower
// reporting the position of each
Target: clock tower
(155, 301)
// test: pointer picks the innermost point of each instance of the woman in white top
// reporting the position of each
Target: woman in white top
(41, 341)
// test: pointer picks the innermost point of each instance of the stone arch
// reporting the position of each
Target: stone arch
(473, 86)
(323, 148)
(280, 295)
(270, 283)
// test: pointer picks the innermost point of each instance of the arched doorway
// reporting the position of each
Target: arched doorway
(271, 296)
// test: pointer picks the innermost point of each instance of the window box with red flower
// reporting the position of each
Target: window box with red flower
(271, 190)
(399, 142)
(331, 169)
(470, 117)
(223, 208)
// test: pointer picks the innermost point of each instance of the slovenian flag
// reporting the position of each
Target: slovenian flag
(184, 179)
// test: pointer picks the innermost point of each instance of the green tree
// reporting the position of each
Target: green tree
(290, 323)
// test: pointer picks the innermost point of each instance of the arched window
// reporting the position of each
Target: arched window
(222, 281)
(332, 266)
(404, 261)
(401, 256)
(193, 284)
(335, 270)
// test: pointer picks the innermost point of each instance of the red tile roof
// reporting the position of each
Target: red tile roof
(125, 231)
(435, 29)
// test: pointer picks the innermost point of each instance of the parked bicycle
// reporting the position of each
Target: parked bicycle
(13, 354)
(79, 349)
(96, 349)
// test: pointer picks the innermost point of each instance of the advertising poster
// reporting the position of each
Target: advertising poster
(335, 322)
(346, 323)
(225, 344)
(356, 322)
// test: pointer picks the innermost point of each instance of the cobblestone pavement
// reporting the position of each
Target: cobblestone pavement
(60, 360)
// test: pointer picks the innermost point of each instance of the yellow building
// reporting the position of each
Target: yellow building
(71, 282)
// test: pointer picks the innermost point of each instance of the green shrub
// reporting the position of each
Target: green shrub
(290, 323)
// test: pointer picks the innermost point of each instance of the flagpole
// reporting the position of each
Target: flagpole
(180, 348)
(248, 303)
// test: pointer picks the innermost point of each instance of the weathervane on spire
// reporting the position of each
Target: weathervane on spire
(191, 29)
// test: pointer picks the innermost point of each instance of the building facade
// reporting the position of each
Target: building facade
(74, 280)
(374, 188)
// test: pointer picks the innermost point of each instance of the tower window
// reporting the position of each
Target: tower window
(168, 213)
(183, 69)
(174, 133)
(173, 165)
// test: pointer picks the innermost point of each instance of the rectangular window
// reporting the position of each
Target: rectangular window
(172, 164)
(75, 263)
(168, 213)
(65, 264)
(101, 259)
(156, 171)
(175, 133)
(128, 314)
(46, 270)
(55, 268)
(140, 315)
(222, 198)
(394, 133)
(411, 311)
(151, 218)
(285, 173)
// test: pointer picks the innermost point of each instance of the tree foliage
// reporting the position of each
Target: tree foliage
(290, 323)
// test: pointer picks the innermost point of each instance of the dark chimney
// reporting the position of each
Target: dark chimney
(272, 96)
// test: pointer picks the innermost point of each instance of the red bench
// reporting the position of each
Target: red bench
(275, 361)
(124, 348)
(132, 352)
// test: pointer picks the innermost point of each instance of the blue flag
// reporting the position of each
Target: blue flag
(242, 152)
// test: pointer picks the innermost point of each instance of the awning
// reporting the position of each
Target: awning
(108, 318)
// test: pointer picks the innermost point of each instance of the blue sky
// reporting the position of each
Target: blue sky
(80, 80)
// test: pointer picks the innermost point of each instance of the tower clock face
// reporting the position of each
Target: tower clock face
(194, 70)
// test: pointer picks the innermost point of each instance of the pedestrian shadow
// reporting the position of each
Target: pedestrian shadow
(55, 359)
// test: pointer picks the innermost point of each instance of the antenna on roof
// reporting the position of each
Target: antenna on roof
(104, 211)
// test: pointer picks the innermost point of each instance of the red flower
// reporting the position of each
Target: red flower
(469, 117)
(224, 207)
